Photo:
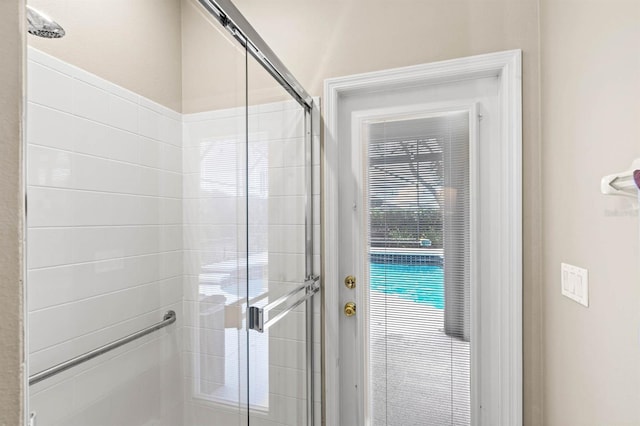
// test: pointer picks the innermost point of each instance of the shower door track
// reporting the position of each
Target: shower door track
(231, 18)
(168, 319)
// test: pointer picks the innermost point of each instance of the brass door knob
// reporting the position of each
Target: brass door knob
(350, 309)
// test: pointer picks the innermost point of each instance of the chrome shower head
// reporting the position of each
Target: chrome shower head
(43, 26)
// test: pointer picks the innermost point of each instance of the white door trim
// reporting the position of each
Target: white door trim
(507, 67)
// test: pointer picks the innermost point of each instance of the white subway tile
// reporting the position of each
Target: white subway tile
(150, 152)
(50, 127)
(170, 211)
(50, 207)
(170, 264)
(149, 123)
(170, 184)
(49, 247)
(49, 167)
(123, 113)
(191, 158)
(170, 238)
(149, 181)
(122, 145)
(95, 208)
(140, 269)
(53, 404)
(170, 130)
(50, 327)
(98, 243)
(149, 210)
(48, 87)
(124, 178)
(91, 137)
(105, 276)
(170, 158)
(91, 173)
(90, 102)
(53, 286)
(36, 56)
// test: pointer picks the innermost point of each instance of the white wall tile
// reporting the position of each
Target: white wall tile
(50, 127)
(53, 404)
(49, 247)
(149, 123)
(49, 167)
(48, 87)
(123, 113)
(150, 152)
(90, 102)
(170, 158)
(170, 130)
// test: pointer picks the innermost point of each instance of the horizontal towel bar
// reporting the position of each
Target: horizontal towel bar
(169, 318)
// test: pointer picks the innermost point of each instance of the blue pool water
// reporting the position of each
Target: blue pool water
(418, 283)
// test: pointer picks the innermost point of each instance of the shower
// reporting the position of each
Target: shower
(187, 292)
(43, 26)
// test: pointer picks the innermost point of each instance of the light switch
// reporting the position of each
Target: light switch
(575, 283)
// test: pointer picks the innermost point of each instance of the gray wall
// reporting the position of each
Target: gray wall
(11, 322)
(134, 44)
(590, 128)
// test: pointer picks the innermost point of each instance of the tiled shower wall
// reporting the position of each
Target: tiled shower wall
(109, 195)
(104, 248)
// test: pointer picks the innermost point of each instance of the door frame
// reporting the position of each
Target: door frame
(506, 66)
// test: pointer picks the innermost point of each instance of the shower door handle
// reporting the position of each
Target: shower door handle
(257, 314)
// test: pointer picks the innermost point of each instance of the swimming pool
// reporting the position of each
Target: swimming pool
(417, 283)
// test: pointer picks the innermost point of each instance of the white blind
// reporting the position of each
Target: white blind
(418, 188)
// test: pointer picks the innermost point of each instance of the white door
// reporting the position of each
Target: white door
(417, 208)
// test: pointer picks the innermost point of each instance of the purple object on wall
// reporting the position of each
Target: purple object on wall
(636, 177)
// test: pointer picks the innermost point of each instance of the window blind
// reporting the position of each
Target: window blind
(418, 190)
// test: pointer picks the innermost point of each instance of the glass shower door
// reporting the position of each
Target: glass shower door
(248, 242)
(214, 215)
(279, 269)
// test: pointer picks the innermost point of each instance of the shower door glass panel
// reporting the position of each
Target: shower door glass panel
(276, 250)
(215, 237)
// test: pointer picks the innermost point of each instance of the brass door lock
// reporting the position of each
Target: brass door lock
(350, 281)
(350, 309)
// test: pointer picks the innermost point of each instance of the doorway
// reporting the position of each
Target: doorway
(421, 248)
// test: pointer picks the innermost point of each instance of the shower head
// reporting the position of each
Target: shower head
(43, 26)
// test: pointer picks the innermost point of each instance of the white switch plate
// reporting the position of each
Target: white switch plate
(575, 283)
